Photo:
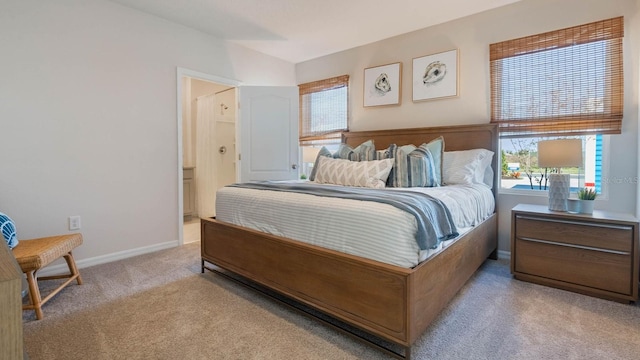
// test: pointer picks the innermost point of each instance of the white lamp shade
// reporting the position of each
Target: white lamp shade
(309, 154)
(560, 153)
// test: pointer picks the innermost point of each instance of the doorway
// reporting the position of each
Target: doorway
(207, 146)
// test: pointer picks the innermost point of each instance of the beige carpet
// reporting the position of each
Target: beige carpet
(159, 306)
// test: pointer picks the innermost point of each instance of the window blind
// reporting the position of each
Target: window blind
(324, 110)
(560, 83)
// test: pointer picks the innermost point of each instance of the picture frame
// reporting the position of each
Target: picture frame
(382, 85)
(435, 76)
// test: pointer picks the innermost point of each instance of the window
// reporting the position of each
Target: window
(324, 111)
(564, 83)
(520, 170)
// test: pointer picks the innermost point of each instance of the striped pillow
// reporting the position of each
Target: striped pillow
(436, 147)
(412, 167)
(363, 152)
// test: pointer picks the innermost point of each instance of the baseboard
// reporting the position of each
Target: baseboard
(62, 268)
(502, 254)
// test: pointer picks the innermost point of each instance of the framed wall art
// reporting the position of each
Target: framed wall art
(382, 85)
(435, 76)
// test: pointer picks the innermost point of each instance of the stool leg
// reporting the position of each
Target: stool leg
(72, 267)
(34, 294)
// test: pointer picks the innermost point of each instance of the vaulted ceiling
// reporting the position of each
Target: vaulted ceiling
(299, 30)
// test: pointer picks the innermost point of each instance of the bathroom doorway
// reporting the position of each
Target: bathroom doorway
(208, 124)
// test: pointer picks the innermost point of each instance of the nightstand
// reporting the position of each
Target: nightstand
(594, 254)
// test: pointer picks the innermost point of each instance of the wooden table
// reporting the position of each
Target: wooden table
(594, 254)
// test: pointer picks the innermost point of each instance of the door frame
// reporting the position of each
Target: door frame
(180, 73)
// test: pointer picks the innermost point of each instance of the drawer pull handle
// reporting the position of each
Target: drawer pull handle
(609, 226)
(576, 246)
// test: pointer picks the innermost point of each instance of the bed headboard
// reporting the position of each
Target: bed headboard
(459, 137)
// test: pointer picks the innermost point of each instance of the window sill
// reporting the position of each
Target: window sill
(523, 192)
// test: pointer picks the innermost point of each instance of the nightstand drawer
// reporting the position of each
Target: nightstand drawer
(588, 234)
(597, 269)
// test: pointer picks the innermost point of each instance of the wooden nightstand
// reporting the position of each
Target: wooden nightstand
(591, 254)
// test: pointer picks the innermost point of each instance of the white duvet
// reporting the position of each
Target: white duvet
(372, 230)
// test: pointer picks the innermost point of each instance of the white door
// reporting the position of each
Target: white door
(268, 129)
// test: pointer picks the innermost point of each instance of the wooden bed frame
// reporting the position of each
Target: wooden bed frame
(390, 302)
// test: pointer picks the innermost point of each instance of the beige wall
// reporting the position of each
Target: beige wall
(472, 36)
(88, 118)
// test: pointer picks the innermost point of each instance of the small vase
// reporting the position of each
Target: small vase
(573, 205)
(586, 206)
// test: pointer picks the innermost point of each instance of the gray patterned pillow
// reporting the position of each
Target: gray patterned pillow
(324, 152)
(371, 174)
(363, 152)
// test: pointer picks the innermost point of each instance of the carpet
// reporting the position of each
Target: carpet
(159, 306)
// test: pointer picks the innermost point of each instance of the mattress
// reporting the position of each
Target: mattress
(367, 229)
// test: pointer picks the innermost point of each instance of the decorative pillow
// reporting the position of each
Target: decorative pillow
(371, 174)
(8, 230)
(484, 174)
(412, 167)
(466, 167)
(436, 147)
(324, 152)
(363, 152)
(382, 154)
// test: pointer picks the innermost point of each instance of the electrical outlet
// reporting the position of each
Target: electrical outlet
(74, 222)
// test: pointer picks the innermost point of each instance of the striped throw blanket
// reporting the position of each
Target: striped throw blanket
(433, 218)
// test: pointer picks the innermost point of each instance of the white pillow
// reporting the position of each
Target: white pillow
(467, 167)
(371, 174)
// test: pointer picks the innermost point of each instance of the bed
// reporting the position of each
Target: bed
(390, 302)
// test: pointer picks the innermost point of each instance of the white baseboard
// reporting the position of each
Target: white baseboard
(502, 254)
(102, 259)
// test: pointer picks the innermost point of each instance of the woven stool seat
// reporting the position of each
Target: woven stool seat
(32, 255)
(38, 253)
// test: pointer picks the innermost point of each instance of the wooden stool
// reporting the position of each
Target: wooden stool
(32, 255)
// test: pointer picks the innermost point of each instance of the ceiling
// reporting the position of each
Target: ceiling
(299, 30)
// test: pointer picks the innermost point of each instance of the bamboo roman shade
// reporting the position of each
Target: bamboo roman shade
(560, 83)
(324, 111)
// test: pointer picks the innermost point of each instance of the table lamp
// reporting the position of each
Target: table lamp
(309, 155)
(558, 154)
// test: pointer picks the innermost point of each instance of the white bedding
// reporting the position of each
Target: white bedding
(368, 229)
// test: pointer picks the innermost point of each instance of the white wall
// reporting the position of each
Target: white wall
(226, 136)
(190, 115)
(88, 118)
(472, 36)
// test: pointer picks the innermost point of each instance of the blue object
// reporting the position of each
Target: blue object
(535, 187)
(8, 230)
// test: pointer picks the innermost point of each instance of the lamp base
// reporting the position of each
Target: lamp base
(558, 191)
